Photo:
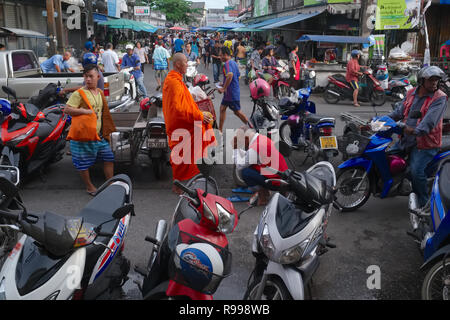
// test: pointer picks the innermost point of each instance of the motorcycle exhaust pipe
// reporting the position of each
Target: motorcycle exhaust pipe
(334, 93)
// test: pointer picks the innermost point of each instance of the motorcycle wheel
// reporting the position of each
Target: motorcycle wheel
(434, 287)
(329, 97)
(275, 289)
(398, 90)
(347, 180)
(378, 97)
(285, 133)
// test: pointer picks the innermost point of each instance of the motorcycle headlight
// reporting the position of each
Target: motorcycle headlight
(312, 74)
(2, 290)
(294, 254)
(226, 220)
(266, 243)
(378, 126)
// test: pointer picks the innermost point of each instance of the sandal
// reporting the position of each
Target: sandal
(238, 199)
(91, 193)
(357, 105)
(242, 190)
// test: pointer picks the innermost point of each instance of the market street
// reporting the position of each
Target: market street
(374, 235)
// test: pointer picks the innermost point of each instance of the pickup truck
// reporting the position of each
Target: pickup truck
(20, 70)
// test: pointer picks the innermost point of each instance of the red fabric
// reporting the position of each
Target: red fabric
(267, 152)
(434, 138)
(353, 68)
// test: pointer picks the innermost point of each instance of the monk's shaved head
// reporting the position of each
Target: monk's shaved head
(179, 61)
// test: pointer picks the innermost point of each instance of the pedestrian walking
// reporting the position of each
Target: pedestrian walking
(90, 129)
(132, 60)
(230, 88)
(160, 64)
(294, 68)
(216, 61)
(140, 51)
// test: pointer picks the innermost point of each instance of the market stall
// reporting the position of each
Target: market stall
(334, 54)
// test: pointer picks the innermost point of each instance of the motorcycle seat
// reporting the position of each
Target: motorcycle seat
(444, 190)
(445, 144)
(102, 206)
(339, 77)
(316, 119)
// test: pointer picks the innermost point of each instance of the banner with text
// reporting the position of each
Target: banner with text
(397, 14)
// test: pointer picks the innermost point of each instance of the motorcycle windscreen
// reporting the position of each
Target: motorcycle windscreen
(35, 267)
(289, 219)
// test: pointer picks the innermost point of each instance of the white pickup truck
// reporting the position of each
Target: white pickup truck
(20, 70)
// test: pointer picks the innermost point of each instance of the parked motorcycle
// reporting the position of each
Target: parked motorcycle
(431, 230)
(191, 72)
(373, 169)
(155, 131)
(77, 257)
(31, 139)
(398, 87)
(190, 258)
(339, 89)
(303, 129)
(291, 236)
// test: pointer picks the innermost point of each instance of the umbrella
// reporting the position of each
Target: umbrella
(178, 29)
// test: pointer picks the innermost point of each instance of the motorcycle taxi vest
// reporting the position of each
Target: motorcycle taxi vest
(434, 138)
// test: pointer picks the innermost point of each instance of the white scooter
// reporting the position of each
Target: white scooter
(69, 257)
(291, 234)
(191, 72)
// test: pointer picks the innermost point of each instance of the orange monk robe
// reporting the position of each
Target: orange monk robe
(180, 112)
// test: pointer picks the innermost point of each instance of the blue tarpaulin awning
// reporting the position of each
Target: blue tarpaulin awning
(265, 23)
(231, 25)
(99, 17)
(207, 28)
(291, 19)
(333, 39)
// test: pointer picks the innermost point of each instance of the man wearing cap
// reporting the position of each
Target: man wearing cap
(132, 60)
(422, 137)
(57, 63)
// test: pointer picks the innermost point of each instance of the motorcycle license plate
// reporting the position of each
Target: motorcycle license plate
(157, 143)
(328, 142)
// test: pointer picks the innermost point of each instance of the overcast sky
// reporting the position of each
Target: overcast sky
(216, 4)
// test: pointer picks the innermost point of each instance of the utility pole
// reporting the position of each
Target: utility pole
(51, 27)
(59, 27)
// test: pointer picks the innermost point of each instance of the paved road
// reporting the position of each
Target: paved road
(374, 235)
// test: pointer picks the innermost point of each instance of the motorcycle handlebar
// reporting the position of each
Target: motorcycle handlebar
(190, 192)
(10, 215)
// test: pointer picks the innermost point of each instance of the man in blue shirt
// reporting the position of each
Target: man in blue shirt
(160, 63)
(190, 54)
(57, 63)
(132, 60)
(230, 88)
(178, 45)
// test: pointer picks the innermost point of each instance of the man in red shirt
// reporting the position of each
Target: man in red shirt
(353, 73)
(260, 153)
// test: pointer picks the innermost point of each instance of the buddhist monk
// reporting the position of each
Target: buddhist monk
(184, 124)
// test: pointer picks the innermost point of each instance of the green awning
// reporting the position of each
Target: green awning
(128, 24)
(245, 29)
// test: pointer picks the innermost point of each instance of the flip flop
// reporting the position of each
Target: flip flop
(91, 193)
(238, 199)
(242, 190)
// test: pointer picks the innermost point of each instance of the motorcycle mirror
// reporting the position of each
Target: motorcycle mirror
(415, 115)
(9, 91)
(123, 211)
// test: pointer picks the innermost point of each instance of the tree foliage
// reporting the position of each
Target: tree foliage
(176, 11)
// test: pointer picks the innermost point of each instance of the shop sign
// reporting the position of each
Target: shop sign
(397, 14)
(141, 11)
(261, 8)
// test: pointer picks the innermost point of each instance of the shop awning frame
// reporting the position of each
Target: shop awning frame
(291, 19)
(334, 39)
(24, 33)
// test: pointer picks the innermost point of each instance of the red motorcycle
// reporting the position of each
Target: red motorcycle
(192, 258)
(280, 84)
(370, 89)
(31, 138)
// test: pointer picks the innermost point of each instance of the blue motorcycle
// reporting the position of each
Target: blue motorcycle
(303, 129)
(372, 169)
(431, 229)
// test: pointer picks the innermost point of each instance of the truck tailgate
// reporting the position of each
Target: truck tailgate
(115, 82)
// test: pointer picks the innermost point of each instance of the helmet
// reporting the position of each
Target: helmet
(89, 58)
(198, 262)
(356, 52)
(396, 164)
(5, 107)
(200, 79)
(129, 46)
(293, 120)
(259, 88)
(144, 105)
(430, 71)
